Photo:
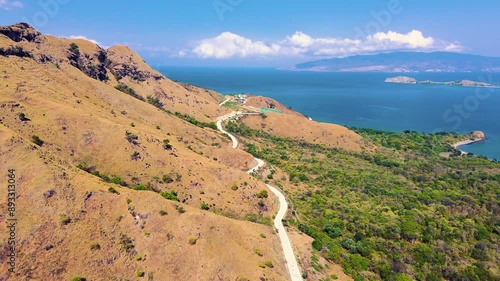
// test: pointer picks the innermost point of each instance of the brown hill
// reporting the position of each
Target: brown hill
(69, 224)
(129, 128)
(71, 105)
(301, 128)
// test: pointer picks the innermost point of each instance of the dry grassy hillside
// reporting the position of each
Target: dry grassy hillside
(71, 225)
(301, 128)
(114, 117)
(86, 123)
(135, 73)
(80, 119)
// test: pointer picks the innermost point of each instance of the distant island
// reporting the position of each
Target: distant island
(405, 62)
(461, 83)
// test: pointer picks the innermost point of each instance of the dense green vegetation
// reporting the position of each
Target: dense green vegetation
(195, 122)
(402, 212)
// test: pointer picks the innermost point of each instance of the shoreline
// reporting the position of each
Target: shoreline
(466, 142)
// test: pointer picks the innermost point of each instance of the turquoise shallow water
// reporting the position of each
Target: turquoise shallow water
(365, 100)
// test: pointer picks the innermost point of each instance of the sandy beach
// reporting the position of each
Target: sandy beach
(466, 142)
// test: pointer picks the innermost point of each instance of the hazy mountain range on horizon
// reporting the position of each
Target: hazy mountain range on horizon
(405, 62)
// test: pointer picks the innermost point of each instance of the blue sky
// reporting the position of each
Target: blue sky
(266, 32)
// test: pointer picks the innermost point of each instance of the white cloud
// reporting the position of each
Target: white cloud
(413, 39)
(454, 47)
(8, 4)
(230, 45)
(83, 38)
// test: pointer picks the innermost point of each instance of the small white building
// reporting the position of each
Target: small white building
(241, 98)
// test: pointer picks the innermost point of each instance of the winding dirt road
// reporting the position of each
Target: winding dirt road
(290, 260)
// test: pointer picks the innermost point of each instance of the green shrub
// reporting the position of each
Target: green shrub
(65, 219)
(95, 246)
(23, 117)
(112, 190)
(139, 273)
(155, 101)
(139, 187)
(129, 91)
(262, 194)
(234, 187)
(163, 213)
(259, 252)
(317, 245)
(37, 140)
(126, 242)
(78, 278)
(74, 49)
(192, 240)
(180, 209)
(131, 138)
(167, 145)
(116, 180)
(204, 206)
(129, 200)
(262, 235)
(269, 264)
(167, 179)
(172, 195)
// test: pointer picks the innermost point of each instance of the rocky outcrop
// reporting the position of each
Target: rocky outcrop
(124, 70)
(478, 135)
(93, 65)
(14, 51)
(126, 63)
(20, 32)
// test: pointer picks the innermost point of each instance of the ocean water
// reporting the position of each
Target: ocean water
(365, 100)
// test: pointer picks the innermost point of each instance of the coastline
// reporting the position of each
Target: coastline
(466, 142)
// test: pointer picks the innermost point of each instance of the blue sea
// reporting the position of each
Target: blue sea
(365, 100)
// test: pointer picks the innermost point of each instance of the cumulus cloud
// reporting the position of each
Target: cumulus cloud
(413, 39)
(8, 4)
(230, 45)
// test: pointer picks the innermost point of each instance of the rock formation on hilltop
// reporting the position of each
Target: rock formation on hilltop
(20, 32)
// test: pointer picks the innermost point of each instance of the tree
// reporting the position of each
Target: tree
(332, 230)
(74, 49)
